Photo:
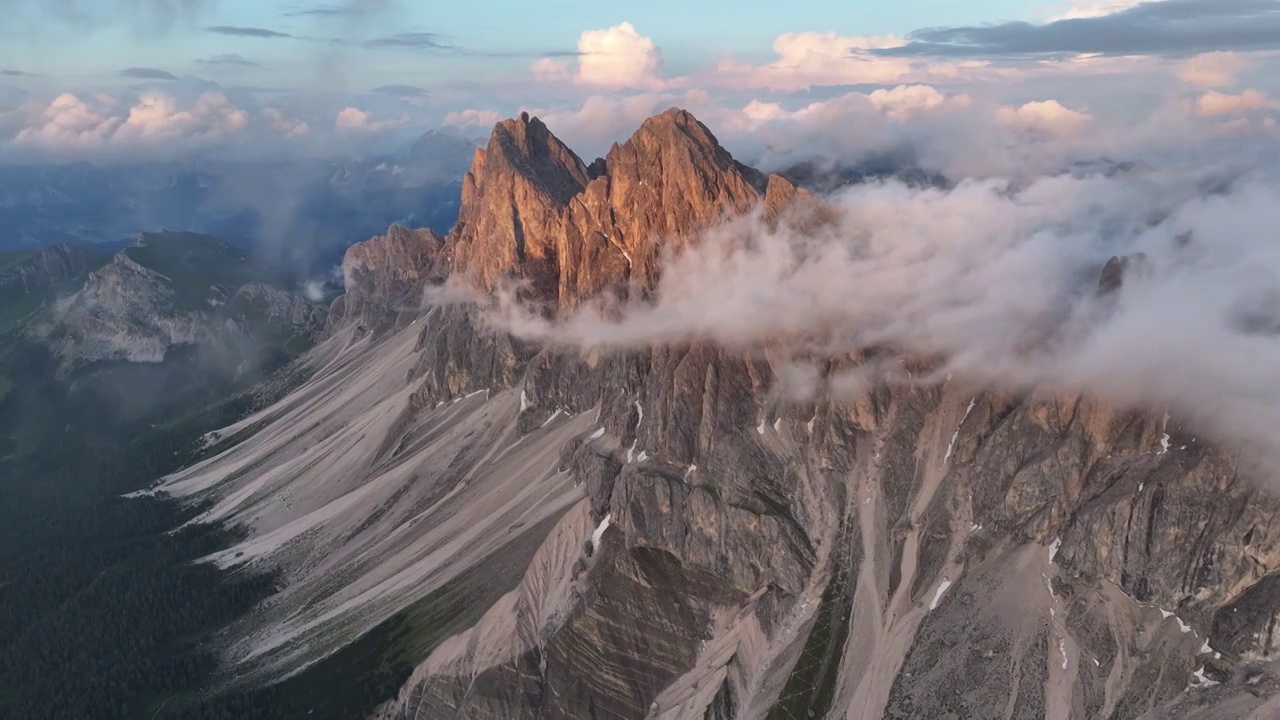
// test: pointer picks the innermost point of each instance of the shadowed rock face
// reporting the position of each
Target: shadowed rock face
(951, 551)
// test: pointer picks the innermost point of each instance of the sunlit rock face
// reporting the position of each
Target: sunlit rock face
(660, 533)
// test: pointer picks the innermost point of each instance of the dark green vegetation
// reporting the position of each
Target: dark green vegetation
(196, 267)
(101, 611)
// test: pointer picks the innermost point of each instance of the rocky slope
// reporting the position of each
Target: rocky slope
(657, 534)
(170, 290)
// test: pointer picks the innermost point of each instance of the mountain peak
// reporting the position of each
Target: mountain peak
(531, 210)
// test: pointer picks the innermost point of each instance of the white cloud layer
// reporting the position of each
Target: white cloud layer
(1213, 70)
(1215, 104)
(617, 57)
(71, 122)
(357, 120)
(1001, 281)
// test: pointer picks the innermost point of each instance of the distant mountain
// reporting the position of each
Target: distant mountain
(167, 295)
(298, 214)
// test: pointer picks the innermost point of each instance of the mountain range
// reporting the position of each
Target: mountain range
(299, 214)
(530, 530)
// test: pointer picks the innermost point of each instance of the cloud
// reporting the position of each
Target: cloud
(349, 9)
(1046, 117)
(401, 90)
(1213, 70)
(142, 73)
(619, 57)
(904, 101)
(1092, 8)
(357, 120)
(325, 11)
(284, 124)
(16, 73)
(229, 59)
(1000, 281)
(413, 40)
(810, 59)
(472, 118)
(147, 124)
(70, 121)
(616, 58)
(551, 70)
(158, 116)
(1166, 27)
(253, 32)
(1214, 103)
(148, 15)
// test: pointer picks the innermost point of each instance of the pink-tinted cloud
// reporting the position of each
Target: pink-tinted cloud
(1215, 104)
(356, 120)
(617, 57)
(472, 118)
(1213, 70)
(1047, 117)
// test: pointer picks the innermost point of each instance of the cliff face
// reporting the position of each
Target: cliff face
(656, 534)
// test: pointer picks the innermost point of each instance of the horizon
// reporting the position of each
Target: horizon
(162, 79)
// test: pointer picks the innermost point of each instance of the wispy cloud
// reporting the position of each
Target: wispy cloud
(400, 90)
(237, 31)
(143, 73)
(413, 40)
(325, 11)
(16, 73)
(229, 59)
(1169, 28)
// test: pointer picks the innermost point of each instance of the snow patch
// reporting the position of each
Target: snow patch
(777, 425)
(642, 456)
(937, 596)
(951, 446)
(1205, 647)
(598, 533)
(1165, 614)
(760, 428)
(1203, 680)
(1164, 444)
(599, 433)
(1185, 628)
(524, 401)
(692, 469)
(551, 419)
(640, 413)
(1054, 547)
(1062, 649)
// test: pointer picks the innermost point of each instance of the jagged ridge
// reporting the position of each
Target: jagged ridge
(923, 552)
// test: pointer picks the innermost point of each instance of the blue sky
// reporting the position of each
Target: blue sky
(44, 42)
(115, 78)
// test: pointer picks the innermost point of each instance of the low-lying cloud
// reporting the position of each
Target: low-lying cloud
(1000, 280)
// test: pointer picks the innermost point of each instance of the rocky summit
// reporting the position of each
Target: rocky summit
(656, 533)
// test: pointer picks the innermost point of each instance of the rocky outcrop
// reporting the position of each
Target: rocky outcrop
(258, 305)
(532, 212)
(47, 268)
(130, 312)
(691, 544)
(385, 277)
(123, 312)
